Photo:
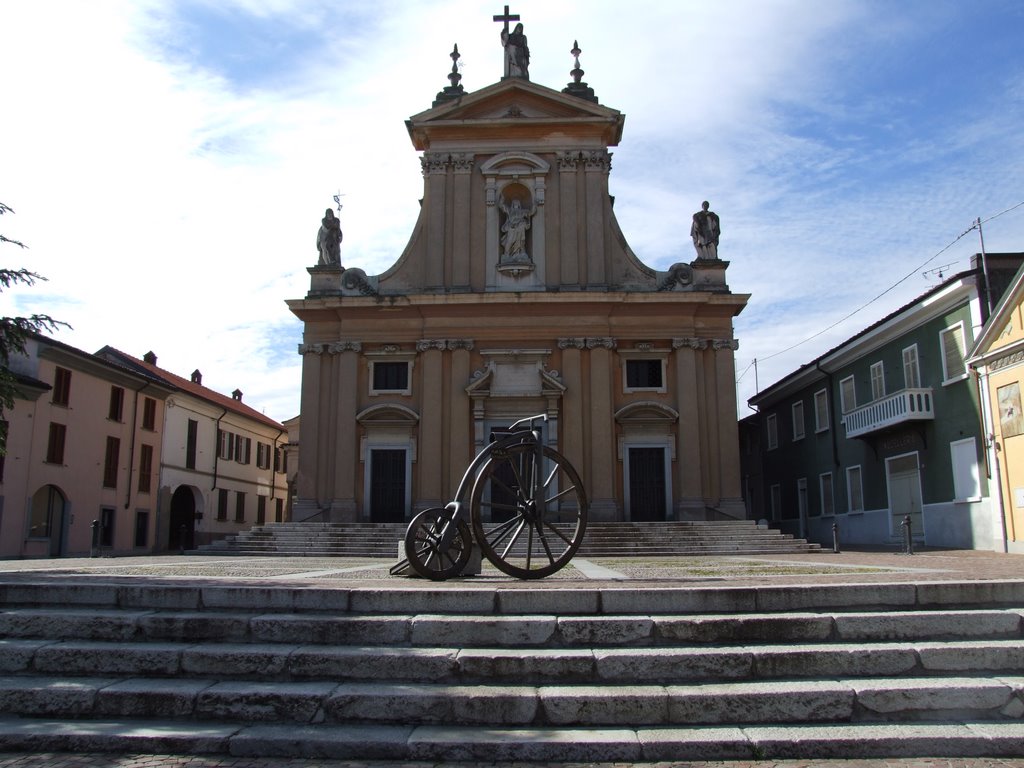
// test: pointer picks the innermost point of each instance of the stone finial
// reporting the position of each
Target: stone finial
(455, 90)
(577, 87)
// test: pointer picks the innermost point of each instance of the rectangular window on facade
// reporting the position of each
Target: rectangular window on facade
(110, 462)
(263, 453)
(261, 510)
(911, 368)
(390, 376)
(142, 528)
(116, 410)
(61, 386)
(191, 439)
(145, 468)
(645, 374)
(3, 434)
(222, 504)
(827, 499)
(278, 510)
(798, 420)
(239, 506)
(55, 443)
(775, 496)
(243, 449)
(280, 460)
(772, 425)
(854, 490)
(226, 444)
(149, 414)
(847, 394)
(952, 340)
(966, 475)
(877, 381)
(821, 420)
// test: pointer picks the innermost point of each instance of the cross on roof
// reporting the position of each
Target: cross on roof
(507, 17)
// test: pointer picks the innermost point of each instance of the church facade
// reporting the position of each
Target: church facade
(518, 294)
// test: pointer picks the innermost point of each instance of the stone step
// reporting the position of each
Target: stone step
(469, 597)
(581, 705)
(300, 660)
(476, 744)
(540, 630)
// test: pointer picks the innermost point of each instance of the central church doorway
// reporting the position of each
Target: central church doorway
(647, 486)
(387, 485)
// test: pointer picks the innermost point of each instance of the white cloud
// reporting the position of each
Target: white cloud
(173, 201)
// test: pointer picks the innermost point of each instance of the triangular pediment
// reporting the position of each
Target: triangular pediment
(518, 106)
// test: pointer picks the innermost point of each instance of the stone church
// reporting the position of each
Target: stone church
(518, 294)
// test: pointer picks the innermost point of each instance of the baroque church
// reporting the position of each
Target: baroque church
(517, 295)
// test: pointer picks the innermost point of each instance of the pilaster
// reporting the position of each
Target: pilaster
(603, 505)
(343, 505)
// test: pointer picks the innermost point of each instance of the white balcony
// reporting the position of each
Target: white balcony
(906, 405)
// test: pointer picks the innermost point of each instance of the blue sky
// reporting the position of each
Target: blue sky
(168, 162)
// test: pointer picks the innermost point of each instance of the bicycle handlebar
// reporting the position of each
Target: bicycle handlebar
(529, 420)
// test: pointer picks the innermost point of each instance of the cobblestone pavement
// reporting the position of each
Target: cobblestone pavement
(823, 567)
(64, 760)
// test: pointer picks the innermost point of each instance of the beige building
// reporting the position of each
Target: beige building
(516, 295)
(223, 466)
(998, 361)
(84, 447)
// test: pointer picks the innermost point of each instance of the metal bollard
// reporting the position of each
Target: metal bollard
(95, 539)
(181, 538)
(908, 536)
(835, 538)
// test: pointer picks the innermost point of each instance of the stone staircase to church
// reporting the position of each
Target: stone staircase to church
(740, 537)
(467, 672)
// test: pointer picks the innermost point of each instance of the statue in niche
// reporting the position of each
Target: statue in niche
(517, 53)
(328, 240)
(513, 232)
(705, 231)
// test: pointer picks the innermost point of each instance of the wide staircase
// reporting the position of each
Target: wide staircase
(466, 672)
(740, 537)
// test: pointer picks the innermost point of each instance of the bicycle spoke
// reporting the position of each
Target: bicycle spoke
(498, 534)
(557, 532)
(544, 543)
(515, 538)
(560, 494)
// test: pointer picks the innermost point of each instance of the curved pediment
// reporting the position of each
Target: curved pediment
(646, 412)
(388, 414)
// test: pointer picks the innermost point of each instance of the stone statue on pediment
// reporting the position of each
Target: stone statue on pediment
(705, 231)
(328, 240)
(517, 53)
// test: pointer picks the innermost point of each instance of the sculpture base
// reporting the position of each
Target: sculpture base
(325, 279)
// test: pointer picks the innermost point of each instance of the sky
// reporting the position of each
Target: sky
(169, 162)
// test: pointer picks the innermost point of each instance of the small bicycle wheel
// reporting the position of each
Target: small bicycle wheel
(536, 516)
(437, 545)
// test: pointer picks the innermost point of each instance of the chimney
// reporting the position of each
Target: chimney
(197, 377)
(237, 395)
(149, 357)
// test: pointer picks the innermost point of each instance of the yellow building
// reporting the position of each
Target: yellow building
(517, 295)
(998, 360)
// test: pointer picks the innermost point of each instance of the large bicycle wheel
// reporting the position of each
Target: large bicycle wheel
(438, 546)
(528, 520)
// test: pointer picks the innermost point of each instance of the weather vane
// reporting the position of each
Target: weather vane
(337, 200)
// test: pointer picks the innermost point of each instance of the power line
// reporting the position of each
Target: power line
(891, 287)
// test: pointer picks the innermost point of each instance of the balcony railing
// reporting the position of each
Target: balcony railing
(906, 405)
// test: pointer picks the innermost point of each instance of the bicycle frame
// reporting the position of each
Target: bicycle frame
(516, 436)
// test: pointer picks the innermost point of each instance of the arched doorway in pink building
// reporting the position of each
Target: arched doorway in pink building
(181, 534)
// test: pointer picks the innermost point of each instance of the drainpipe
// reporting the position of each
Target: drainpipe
(216, 450)
(988, 435)
(273, 469)
(131, 450)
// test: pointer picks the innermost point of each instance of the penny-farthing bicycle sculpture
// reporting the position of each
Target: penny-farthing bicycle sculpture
(527, 510)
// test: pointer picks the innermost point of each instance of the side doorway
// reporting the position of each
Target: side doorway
(47, 519)
(181, 534)
(904, 479)
(646, 480)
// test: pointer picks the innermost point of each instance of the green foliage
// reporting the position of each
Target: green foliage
(15, 331)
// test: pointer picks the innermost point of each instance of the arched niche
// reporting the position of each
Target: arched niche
(515, 179)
